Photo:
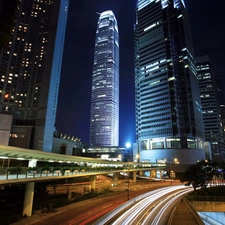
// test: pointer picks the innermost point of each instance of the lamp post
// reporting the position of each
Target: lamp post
(128, 184)
(171, 173)
(175, 161)
(128, 146)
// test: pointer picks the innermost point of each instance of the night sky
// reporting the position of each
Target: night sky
(73, 114)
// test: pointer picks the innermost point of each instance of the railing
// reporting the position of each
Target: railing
(46, 173)
(17, 173)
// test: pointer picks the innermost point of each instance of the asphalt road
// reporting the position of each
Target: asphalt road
(89, 211)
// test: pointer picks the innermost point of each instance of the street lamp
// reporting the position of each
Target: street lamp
(172, 174)
(128, 145)
(128, 184)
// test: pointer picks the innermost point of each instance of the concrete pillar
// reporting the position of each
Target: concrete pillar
(141, 173)
(115, 179)
(93, 183)
(134, 176)
(152, 174)
(28, 199)
(160, 174)
(165, 145)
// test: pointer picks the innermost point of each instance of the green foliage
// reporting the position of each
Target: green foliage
(32, 169)
(45, 167)
(15, 170)
(211, 191)
(200, 174)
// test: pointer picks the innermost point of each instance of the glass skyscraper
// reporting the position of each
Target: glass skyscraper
(169, 121)
(212, 118)
(30, 67)
(104, 116)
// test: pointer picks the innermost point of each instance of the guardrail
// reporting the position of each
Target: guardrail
(15, 174)
(46, 174)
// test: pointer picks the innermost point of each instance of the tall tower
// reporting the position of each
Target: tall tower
(30, 67)
(169, 120)
(104, 118)
(212, 117)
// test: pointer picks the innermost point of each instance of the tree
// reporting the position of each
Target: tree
(199, 175)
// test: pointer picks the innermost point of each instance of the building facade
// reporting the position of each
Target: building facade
(169, 123)
(30, 67)
(7, 17)
(104, 115)
(210, 107)
(221, 99)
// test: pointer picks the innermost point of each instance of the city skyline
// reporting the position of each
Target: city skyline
(74, 107)
(104, 116)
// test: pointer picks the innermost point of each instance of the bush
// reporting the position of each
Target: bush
(211, 191)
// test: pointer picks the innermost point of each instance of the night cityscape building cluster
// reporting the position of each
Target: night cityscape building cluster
(179, 104)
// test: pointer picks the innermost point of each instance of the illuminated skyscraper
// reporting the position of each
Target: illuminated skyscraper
(30, 67)
(169, 120)
(104, 118)
(211, 108)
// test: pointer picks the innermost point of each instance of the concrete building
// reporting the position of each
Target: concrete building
(30, 67)
(169, 123)
(5, 128)
(104, 118)
(112, 153)
(66, 144)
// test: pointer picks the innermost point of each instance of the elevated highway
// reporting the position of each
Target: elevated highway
(91, 167)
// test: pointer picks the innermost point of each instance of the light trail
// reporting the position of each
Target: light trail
(164, 206)
(145, 205)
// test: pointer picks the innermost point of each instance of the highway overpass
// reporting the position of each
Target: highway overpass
(91, 167)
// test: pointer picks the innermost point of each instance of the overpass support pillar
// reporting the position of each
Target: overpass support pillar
(115, 179)
(28, 199)
(134, 176)
(160, 174)
(152, 174)
(93, 183)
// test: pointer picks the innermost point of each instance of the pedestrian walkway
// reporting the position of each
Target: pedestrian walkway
(185, 214)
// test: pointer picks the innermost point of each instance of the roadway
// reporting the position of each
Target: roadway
(89, 211)
(156, 208)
